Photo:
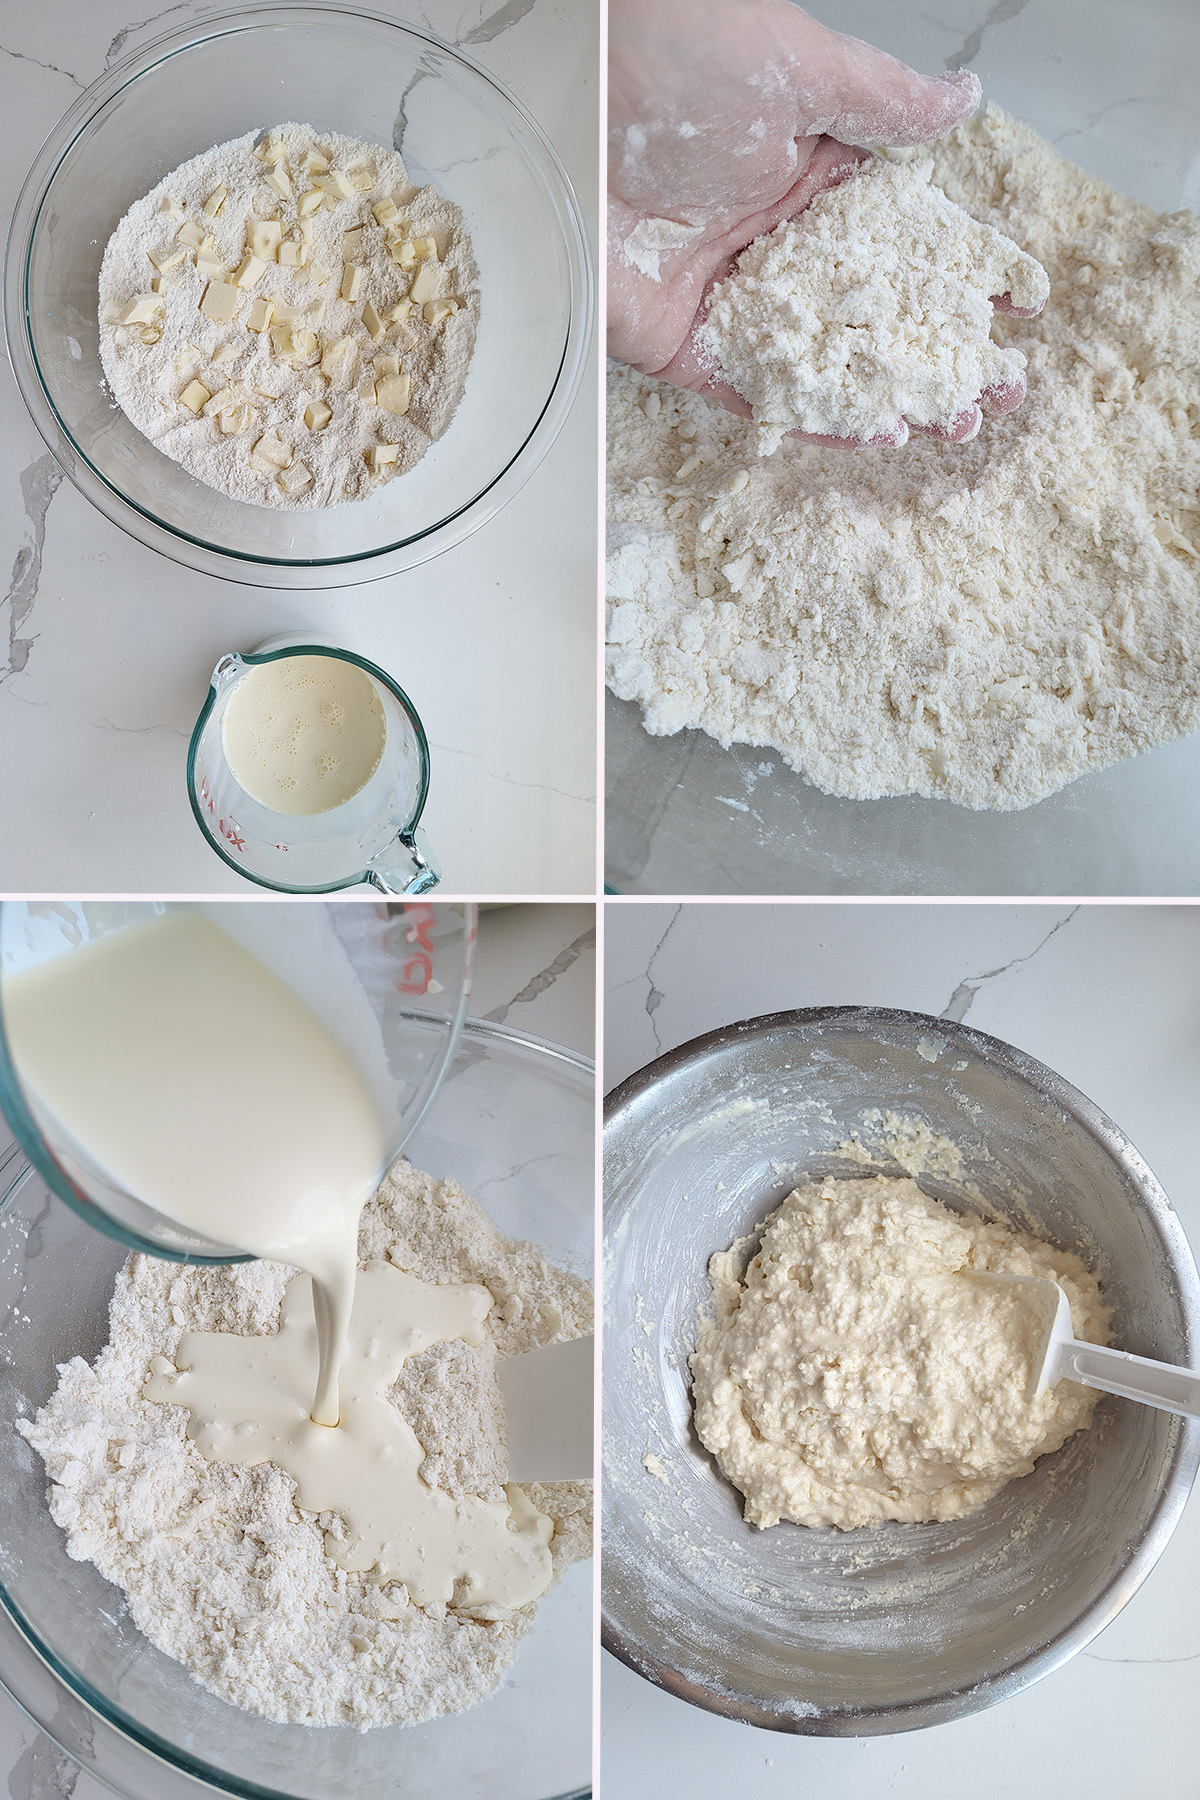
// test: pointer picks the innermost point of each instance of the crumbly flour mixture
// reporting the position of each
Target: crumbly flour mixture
(853, 1371)
(220, 1568)
(979, 621)
(870, 309)
(289, 317)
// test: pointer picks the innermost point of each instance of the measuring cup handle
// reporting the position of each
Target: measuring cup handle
(1164, 1385)
(406, 866)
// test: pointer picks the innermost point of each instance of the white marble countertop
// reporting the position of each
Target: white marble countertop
(106, 648)
(535, 970)
(1109, 996)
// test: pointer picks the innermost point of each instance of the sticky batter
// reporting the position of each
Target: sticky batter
(855, 1371)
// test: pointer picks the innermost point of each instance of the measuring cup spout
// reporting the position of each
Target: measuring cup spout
(406, 866)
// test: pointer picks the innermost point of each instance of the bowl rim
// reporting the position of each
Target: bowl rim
(958, 1702)
(98, 1727)
(177, 544)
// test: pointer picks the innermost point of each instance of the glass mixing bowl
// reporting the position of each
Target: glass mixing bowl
(514, 1123)
(861, 1632)
(389, 985)
(337, 68)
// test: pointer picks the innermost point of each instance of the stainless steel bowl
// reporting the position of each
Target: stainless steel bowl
(881, 1630)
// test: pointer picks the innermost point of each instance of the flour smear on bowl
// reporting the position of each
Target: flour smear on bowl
(289, 317)
(221, 1569)
(981, 621)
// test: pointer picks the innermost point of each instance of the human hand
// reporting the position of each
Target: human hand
(726, 117)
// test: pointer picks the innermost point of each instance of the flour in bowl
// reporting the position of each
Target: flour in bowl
(981, 622)
(871, 309)
(220, 1568)
(289, 317)
(856, 1369)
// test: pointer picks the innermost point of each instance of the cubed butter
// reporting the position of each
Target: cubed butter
(166, 259)
(400, 311)
(228, 353)
(227, 396)
(352, 243)
(317, 415)
(361, 179)
(261, 313)
(426, 283)
(236, 419)
(314, 162)
(294, 478)
(279, 181)
(366, 391)
(306, 231)
(333, 182)
(425, 249)
(380, 456)
(385, 210)
(392, 393)
(159, 284)
(220, 301)
(310, 203)
(251, 272)
(151, 334)
(195, 396)
(401, 251)
(215, 201)
(375, 326)
(270, 149)
(386, 364)
(171, 208)
(293, 253)
(434, 311)
(264, 238)
(338, 360)
(143, 309)
(271, 448)
(191, 234)
(352, 278)
(208, 264)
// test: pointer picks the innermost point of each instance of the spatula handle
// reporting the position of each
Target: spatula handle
(1134, 1377)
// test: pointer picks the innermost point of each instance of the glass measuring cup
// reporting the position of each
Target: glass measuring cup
(388, 983)
(372, 837)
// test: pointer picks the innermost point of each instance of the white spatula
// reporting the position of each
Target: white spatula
(548, 1411)
(1063, 1357)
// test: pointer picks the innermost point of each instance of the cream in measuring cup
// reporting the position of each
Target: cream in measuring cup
(304, 734)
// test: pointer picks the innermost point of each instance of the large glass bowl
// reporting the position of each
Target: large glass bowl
(338, 68)
(514, 1123)
(880, 1630)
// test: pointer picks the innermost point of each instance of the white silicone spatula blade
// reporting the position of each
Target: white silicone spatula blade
(1064, 1357)
(548, 1411)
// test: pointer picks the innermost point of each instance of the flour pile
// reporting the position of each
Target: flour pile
(873, 307)
(979, 621)
(857, 1371)
(302, 316)
(220, 1568)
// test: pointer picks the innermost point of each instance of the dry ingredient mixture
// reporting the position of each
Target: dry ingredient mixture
(220, 1568)
(980, 621)
(289, 318)
(873, 307)
(854, 1370)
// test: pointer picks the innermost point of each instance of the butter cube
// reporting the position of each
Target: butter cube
(305, 230)
(269, 150)
(227, 397)
(166, 259)
(401, 251)
(374, 324)
(434, 311)
(294, 478)
(251, 271)
(361, 179)
(310, 203)
(426, 283)
(279, 181)
(366, 391)
(195, 396)
(143, 309)
(287, 312)
(208, 264)
(293, 253)
(228, 353)
(261, 313)
(264, 238)
(271, 448)
(151, 335)
(392, 393)
(314, 162)
(339, 358)
(386, 365)
(425, 249)
(171, 208)
(334, 183)
(379, 456)
(158, 285)
(292, 340)
(191, 234)
(400, 311)
(352, 277)
(220, 301)
(215, 201)
(352, 243)
(235, 419)
(317, 415)
(385, 211)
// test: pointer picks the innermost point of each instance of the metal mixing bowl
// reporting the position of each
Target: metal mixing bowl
(899, 1626)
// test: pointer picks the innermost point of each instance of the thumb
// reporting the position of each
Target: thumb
(861, 95)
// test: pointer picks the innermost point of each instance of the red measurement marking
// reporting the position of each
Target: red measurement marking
(417, 971)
